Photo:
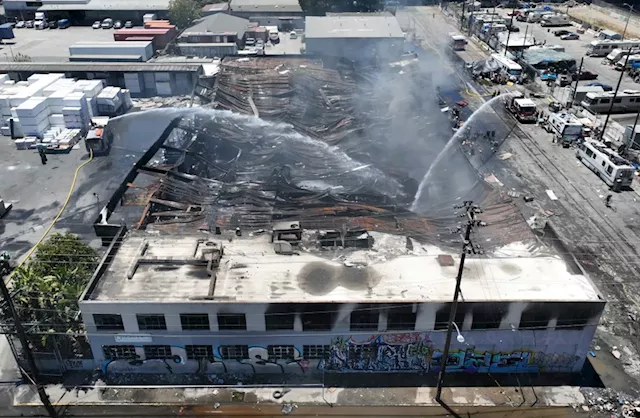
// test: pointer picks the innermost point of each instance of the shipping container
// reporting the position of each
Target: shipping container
(143, 49)
(6, 31)
(159, 37)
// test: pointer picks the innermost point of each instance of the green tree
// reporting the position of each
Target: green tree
(48, 287)
(184, 12)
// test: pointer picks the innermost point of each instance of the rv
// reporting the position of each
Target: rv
(609, 34)
(523, 109)
(537, 16)
(633, 61)
(603, 48)
(565, 127)
(616, 55)
(607, 164)
(627, 101)
(457, 42)
(512, 69)
(555, 20)
(580, 92)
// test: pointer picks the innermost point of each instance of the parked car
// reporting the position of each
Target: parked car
(20, 24)
(63, 23)
(274, 38)
(118, 24)
(570, 37)
(28, 24)
(250, 42)
(561, 32)
(96, 24)
(586, 75)
(555, 106)
(293, 35)
(563, 80)
(128, 24)
(605, 87)
(107, 23)
(52, 25)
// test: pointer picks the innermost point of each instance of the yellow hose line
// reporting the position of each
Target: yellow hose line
(64, 206)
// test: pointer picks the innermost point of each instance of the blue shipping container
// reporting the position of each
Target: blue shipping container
(6, 31)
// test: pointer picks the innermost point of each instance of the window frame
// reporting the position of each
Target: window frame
(193, 353)
(186, 317)
(143, 326)
(117, 325)
(243, 349)
(310, 352)
(109, 350)
(241, 326)
(149, 355)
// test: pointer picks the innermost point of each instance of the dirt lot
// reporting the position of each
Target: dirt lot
(612, 19)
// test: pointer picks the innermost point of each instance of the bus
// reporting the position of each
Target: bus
(606, 163)
(627, 101)
(510, 67)
(602, 48)
(457, 42)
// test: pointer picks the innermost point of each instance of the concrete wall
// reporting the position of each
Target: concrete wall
(159, 83)
(506, 349)
(356, 49)
(207, 50)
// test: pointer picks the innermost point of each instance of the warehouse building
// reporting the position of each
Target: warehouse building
(285, 14)
(358, 38)
(229, 304)
(217, 35)
(87, 11)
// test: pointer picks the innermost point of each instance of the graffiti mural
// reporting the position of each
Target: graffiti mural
(415, 352)
(396, 352)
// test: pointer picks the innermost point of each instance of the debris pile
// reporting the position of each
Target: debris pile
(611, 402)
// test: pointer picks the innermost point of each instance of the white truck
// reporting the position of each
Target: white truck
(565, 127)
(40, 21)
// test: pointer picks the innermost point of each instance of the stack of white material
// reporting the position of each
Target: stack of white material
(109, 101)
(91, 89)
(50, 135)
(68, 137)
(126, 99)
(76, 111)
(33, 115)
(61, 84)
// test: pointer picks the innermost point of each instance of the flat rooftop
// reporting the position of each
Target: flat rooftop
(363, 26)
(265, 6)
(152, 267)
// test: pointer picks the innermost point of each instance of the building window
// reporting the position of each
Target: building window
(401, 318)
(157, 352)
(280, 316)
(108, 322)
(315, 352)
(195, 352)
(488, 315)
(535, 316)
(609, 169)
(151, 322)
(118, 352)
(234, 352)
(194, 321)
(232, 321)
(318, 316)
(281, 352)
(364, 317)
(442, 316)
(575, 316)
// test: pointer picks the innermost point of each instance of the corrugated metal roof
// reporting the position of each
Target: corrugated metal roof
(265, 6)
(63, 67)
(352, 27)
(150, 5)
(220, 23)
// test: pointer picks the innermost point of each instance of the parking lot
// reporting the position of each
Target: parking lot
(577, 49)
(286, 46)
(50, 45)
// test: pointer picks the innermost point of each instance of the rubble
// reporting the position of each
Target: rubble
(147, 103)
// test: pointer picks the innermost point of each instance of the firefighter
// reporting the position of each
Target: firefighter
(43, 155)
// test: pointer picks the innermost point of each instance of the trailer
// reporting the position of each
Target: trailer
(565, 127)
(555, 20)
(614, 170)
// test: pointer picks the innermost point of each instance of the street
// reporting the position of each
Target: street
(603, 241)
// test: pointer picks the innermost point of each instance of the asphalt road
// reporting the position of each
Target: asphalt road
(604, 241)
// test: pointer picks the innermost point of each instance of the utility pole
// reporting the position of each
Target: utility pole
(573, 96)
(471, 211)
(630, 6)
(506, 46)
(613, 99)
(462, 16)
(34, 373)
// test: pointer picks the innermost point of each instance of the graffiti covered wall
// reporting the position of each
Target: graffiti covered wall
(406, 352)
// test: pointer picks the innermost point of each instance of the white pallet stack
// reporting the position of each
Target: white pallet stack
(33, 115)
(109, 101)
(76, 111)
(56, 100)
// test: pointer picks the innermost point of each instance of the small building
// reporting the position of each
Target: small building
(610, 35)
(358, 38)
(285, 14)
(216, 35)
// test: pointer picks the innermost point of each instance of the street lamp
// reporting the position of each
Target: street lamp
(630, 6)
(460, 338)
